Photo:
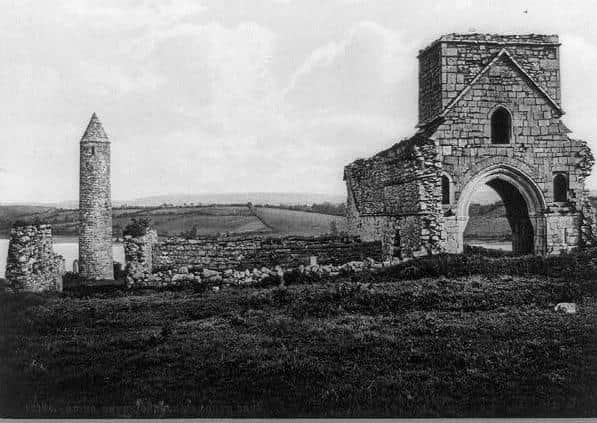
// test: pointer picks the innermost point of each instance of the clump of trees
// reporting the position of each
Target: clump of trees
(192, 233)
(27, 222)
(137, 227)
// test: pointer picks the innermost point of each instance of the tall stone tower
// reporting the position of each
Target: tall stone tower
(95, 206)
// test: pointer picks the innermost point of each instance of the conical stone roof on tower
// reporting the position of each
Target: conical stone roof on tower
(95, 131)
(95, 206)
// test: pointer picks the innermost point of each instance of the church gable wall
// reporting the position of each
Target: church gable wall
(538, 137)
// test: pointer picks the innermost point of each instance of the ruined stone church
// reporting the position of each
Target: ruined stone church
(489, 113)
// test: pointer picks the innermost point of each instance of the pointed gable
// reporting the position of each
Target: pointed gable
(95, 131)
(504, 55)
(454, 61)
(468, 119)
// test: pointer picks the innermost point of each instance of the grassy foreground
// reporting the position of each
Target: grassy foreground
(445, 347)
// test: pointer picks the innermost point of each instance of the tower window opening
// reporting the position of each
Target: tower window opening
(560, 188)
(501, 126)
(93, 151)
(445, 190)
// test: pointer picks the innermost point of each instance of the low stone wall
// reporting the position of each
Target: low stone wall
(31, 264)
(149, 259)
(195, 276)
(240, 253)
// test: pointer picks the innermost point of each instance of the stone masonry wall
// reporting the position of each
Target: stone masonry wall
(395, 196)
(539, 144)
(147, 258)
(239, 253)
(539, 138)
(430, 80)
(31, 264)
(138, 254)
(455, 59)
(588, 222)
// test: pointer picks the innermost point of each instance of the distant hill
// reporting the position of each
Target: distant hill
(487, 221)
(273, 198)
(176, 220)
(296, 222)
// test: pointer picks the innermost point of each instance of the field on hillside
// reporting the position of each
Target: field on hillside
(486, 222)
(463, 347)
(206, 219)
(298, 222)
(178, 220)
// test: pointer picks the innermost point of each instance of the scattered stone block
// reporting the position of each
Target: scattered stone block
(566, 308)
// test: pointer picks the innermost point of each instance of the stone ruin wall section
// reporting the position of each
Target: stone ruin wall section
(31, 263)
(145, 255)
(539, 142)
(395, 197)
(539, 139)
(448, 65)
(463, 78)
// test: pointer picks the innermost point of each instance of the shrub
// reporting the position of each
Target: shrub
(192, 233)
(137, 227)
(268, 282)
(32, 222)
(4, 286)
(333, 228)
(577, 265)
(71, 280)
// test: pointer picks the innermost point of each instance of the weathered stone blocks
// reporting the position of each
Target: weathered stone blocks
(95, 207)
(395, 196)
(148, 259)
(31, 264)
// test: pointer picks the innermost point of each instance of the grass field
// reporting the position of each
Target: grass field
(299, 222)
(486, 222)
(449, 347)
(178, 220)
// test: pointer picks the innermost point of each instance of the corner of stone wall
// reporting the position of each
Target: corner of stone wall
(588, 217)
(31, 263)
(138, 256)
(433, 235)
(588, 222)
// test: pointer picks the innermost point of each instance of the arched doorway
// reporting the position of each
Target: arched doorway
(523, 203)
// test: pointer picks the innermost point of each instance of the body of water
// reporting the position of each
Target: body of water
(494, 245)
(67, 247)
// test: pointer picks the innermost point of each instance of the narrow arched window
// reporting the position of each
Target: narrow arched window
(445, 190)
(560, 188)
(397, 250)
(501, 126)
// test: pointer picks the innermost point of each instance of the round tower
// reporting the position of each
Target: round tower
(95, 206)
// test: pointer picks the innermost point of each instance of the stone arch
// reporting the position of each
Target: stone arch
(522, 198)
(493, 161)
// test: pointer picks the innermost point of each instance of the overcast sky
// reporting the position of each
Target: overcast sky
(235, 96)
